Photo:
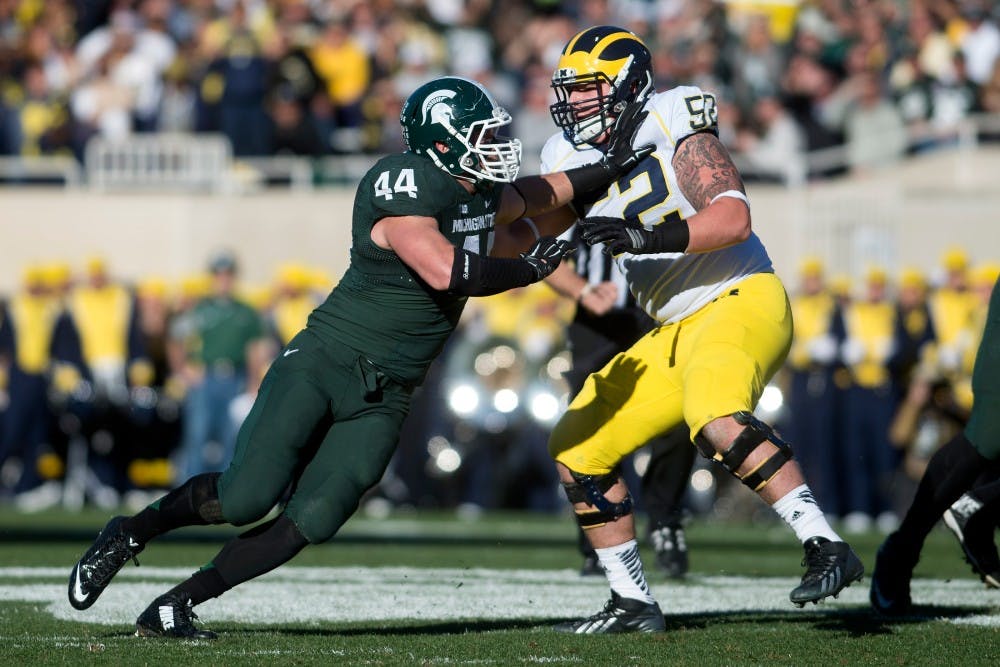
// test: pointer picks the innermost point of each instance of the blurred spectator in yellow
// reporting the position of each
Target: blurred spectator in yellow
(27, 329)
(105, 315)
(293, 302)
(914, 332)
(112, 349)
(153, 308)
(814, 419)
(869, 323)
(37, 121)
(344, 66)
(951, 309)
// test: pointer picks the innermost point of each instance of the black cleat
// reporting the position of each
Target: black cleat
(671, 551)
(890, 589)
(591, 566)
(830, 568)
(170, 615)
(976, 538)
(102, 561)
(619, 615)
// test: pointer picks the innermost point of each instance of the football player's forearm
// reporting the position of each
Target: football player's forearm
(473, 275)
(544, 193)
(566, 282)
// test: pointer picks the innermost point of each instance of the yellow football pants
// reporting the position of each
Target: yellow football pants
(709, 365)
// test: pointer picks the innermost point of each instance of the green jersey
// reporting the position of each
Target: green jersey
(381, 307)
(223, 328)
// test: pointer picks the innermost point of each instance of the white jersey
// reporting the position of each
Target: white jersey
(669, 286)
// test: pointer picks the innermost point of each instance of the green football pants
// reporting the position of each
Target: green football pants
(326, 422)
(983, 429)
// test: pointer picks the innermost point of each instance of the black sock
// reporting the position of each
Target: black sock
(258, 550)
(194, 503)
(204, 584)
(666, 478)
(951, 472)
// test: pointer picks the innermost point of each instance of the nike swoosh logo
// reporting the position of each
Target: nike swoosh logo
(290, 352)
(78, 594)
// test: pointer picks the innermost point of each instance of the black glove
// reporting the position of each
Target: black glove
(628, 235)
(620, 156)
(546, 254)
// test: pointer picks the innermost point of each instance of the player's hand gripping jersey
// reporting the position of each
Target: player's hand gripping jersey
(669, 286)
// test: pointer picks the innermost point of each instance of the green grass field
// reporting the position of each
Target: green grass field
(434, 590)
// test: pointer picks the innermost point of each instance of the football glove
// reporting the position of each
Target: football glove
(628, 235)
(545, 255)
(620, 157)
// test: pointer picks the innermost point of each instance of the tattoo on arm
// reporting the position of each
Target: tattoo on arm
(704, 169)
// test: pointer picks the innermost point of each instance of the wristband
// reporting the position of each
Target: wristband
(476, 275)
(588, 178)
(671, 237)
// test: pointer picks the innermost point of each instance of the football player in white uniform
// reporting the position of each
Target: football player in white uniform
(678, 224)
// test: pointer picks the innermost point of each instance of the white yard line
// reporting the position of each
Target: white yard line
(309, 595)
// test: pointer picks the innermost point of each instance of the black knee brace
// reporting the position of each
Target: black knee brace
(753, 434)
(590, 489)
(204, 490)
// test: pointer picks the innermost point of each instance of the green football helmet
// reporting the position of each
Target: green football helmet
(462, 116)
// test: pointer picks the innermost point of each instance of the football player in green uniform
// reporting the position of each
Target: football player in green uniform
(428, 225)
(951, 472)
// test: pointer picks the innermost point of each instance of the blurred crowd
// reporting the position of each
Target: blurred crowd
(322, 77)
(111, 392)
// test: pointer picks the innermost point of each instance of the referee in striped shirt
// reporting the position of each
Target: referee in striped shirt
(608, 321)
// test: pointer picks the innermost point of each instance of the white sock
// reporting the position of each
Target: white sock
(624, 571)
(800, 510)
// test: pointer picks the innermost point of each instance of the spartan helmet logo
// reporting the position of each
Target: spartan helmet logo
(435, 109)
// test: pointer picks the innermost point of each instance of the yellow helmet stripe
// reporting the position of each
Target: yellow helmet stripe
(590, 60)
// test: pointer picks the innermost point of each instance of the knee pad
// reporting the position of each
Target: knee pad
(204, 492)
(753, 434)
(590, 489)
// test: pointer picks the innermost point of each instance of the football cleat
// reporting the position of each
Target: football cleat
(618, 616)
(975, 538)
(102, 561)
(830, 568)
(890, 589)
(170, 615)
(671, 551)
